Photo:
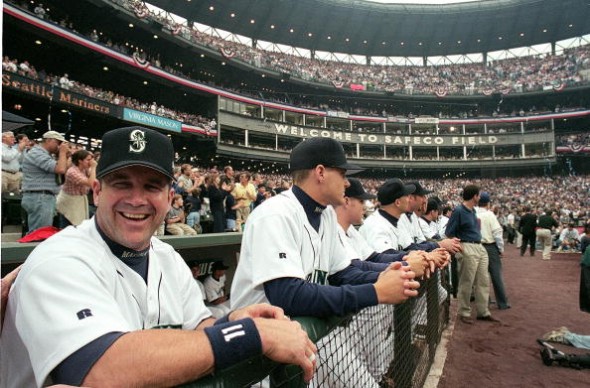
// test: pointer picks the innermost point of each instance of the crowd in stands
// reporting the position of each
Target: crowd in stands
(522, 74)
(573, 140)
(27, 70)
(208, 196)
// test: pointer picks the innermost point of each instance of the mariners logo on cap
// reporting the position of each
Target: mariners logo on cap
(137, 140)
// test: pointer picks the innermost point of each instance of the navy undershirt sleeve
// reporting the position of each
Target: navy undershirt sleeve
(353, 275)
(427, 246)
(389, 256)
(300, 298)
(369, 265)
(74, 369)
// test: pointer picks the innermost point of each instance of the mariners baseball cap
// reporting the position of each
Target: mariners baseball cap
(393, 189)
(54, 135)
(419, 189)
(136, 146)
(218, 265)
(320, 150)
(484, 198)
(432, 204)
(356, 190)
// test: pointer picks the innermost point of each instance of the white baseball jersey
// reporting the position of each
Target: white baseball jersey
(279, 242)
(380, 234)
(353, 241)
(429, 229)
(214, 289)
(366, 337)
(73, 290)
(411, 225)
(442, 226)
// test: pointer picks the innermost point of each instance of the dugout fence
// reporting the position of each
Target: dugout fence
(381, 346)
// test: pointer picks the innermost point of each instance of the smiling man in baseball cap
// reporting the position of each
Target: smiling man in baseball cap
(107, 289)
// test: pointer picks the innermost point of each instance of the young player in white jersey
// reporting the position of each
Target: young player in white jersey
(85, 305)
(293, 257)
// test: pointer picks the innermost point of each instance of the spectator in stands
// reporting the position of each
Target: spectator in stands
(175, 219)
(261, 195)
(101, 272)
(216, 194)
(527, 227)
(231, 206)
(193, 206)
(40, 11)
(184, 181)
(39, 185)
(569, 239)
(228, 171)
(72, 200)
(12, 156)
(65, 83)
(244, 193)
(473, 260)
(215, 287)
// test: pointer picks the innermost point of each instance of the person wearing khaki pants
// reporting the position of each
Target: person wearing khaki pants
(544, 226)
(544, 237)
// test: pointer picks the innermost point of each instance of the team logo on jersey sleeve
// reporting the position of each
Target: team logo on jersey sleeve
(282, 255)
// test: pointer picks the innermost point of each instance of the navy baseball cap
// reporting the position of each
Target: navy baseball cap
(419, 189)
(320, 150)
(136, 146)
(218, 265)
(393, 189)
(484, 198)
(356, 190)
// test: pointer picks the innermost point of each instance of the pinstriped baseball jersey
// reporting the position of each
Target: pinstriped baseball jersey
(72, 290)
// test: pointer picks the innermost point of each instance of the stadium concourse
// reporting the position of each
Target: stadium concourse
(543, 295)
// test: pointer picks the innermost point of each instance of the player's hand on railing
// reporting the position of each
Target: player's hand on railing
(440, 257)
(419, 263)
(286, 342)
(261, 310)
(396, 284)
(453, 245)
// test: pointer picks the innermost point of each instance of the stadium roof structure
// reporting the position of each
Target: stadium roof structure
(374, 29)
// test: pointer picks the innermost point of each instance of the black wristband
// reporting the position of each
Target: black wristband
(233, 342)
